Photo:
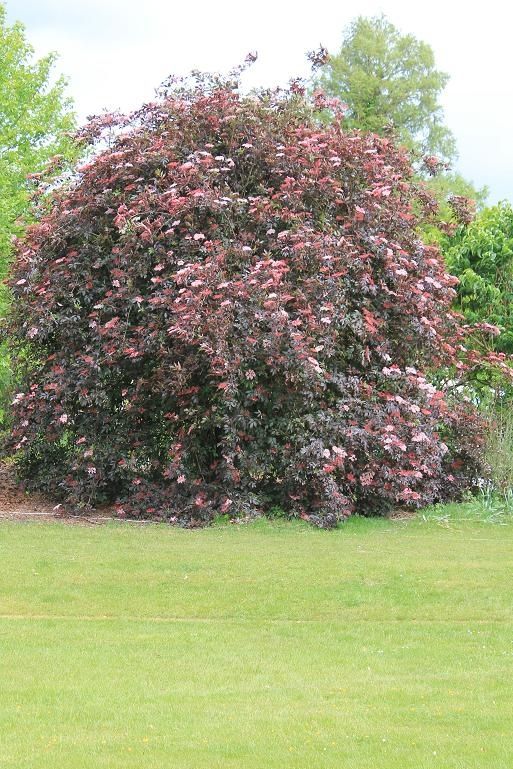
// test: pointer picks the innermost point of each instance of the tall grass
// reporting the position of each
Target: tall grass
(499, 449)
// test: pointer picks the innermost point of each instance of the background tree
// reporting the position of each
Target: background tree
(391, 87)
(390, 83)
(35, 118)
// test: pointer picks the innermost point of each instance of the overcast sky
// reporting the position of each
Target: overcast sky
(116, 52)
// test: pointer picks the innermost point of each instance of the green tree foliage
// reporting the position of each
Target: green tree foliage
(35, 118)
(390, 84)
(391, 87)
(481, 256)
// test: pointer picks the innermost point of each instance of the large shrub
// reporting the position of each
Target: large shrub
(228, 309)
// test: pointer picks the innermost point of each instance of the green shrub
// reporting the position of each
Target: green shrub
(480, 254)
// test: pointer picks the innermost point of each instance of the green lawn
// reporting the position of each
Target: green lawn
(271, 646)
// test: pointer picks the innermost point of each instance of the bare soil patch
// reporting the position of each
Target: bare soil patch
(18, 505)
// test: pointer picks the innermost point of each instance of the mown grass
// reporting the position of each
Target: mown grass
(268, 646)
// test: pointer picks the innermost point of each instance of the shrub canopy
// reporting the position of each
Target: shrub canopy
(228, 309)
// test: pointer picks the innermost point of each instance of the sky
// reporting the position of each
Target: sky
(116, 52)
